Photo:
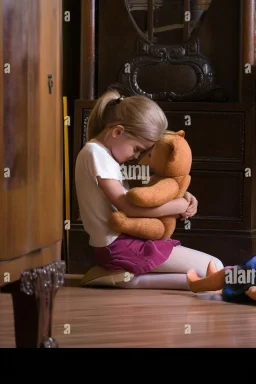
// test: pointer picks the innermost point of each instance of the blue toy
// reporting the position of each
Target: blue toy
(236, 283)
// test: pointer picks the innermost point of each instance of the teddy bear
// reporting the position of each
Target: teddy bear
(170, 161)
(234, 283)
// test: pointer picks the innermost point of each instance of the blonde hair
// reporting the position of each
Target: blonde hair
(139, 115)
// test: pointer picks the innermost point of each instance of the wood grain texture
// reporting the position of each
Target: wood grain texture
(35, 259)
(101, 318)
(32, 130)
(248, 31)
(88, 52)
(1, 132)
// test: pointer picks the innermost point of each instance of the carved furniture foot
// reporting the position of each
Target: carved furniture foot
(33, 297)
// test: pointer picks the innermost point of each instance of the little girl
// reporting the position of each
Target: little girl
(122, 129)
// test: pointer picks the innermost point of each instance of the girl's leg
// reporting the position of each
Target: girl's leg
(175, 281)
(172, 273)
(183, 259)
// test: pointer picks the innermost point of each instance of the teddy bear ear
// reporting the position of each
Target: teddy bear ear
(181, 133)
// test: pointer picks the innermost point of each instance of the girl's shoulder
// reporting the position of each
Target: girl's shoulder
(96, 153)
(96, 160)
(94, 147)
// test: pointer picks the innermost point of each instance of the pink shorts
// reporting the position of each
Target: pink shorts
(133, 254)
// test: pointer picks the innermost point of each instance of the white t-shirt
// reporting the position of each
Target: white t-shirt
(94, 160)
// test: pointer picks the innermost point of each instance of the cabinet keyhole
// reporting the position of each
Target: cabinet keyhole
(50, 83)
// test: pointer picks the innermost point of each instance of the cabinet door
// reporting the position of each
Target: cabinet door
(32, 127)
(49, 178)
(1, 134)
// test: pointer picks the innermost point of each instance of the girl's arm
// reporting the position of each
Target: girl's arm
(115, 192)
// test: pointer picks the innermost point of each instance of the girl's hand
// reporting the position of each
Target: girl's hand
(192, 207)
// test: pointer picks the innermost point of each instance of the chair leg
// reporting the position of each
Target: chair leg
(33, 297)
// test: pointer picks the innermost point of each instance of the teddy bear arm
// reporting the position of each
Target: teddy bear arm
(184, 182)
(158, 194)
(169, 223)
(146, 228)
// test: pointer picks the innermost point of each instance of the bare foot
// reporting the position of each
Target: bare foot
(211, 268)
(192, 275)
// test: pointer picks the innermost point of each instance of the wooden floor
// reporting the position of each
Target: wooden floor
(93, 317)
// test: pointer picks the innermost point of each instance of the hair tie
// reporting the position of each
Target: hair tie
(119, 99)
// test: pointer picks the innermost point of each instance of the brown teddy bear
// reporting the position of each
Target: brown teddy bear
(170, 160)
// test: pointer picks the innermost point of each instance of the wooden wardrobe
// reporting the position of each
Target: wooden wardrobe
(31, 162)
(201, 72)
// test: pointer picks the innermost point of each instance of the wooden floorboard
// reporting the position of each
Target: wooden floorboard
(102, 318)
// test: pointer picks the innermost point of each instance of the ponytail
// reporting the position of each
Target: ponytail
(96, 119)
(139, 115)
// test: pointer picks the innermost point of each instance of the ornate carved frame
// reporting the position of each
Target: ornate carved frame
(149, 53)
(189, 54)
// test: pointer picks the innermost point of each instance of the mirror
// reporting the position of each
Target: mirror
(163, 21)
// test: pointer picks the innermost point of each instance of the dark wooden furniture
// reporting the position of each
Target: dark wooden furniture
(31, 200)
(204, 79)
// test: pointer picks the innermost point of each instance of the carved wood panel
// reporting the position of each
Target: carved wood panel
(152, 54)
(220, 196)
(214, 137)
